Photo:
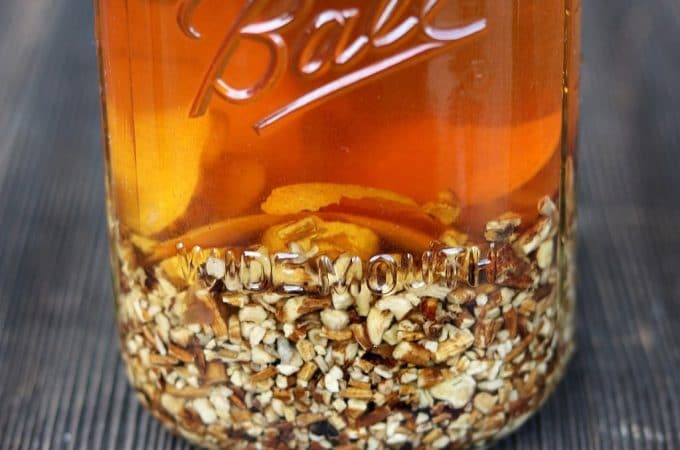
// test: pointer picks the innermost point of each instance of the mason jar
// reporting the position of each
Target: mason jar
(341, 223)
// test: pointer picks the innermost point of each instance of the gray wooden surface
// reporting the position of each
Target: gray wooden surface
(61, 381)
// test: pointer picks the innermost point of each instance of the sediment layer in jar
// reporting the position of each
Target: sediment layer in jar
(312, 338)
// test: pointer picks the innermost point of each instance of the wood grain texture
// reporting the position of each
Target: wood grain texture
(61, 381)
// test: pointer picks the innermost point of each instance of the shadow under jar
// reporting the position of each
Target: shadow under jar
(341, 223)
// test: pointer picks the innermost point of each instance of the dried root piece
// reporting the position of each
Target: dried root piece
(412, 353)
(377, 323)
(200, 308)
(503, 228)
(445, 209)
(458, 391)
(180, 269)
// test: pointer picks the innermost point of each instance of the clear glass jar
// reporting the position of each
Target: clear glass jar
(341, 223)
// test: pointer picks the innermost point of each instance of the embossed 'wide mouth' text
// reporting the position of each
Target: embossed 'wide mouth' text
(257, 270)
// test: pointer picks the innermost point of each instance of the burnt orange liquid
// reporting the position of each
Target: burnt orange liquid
(476, 116)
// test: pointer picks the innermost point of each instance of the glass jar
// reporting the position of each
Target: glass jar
(341, 223)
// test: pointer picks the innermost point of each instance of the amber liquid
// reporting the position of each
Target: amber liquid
(475, 122)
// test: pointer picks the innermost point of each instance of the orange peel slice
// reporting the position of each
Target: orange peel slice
(388, 211)
(230, 232)
(295, 198)
(404, 237)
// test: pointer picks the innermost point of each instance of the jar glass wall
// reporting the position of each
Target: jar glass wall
(341, 222)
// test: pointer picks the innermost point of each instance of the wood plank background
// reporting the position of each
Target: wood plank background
(61, 381)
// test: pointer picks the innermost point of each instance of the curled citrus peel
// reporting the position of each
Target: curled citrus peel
(295, 198)
(404, 237)
(389, 211)
(230, 232)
